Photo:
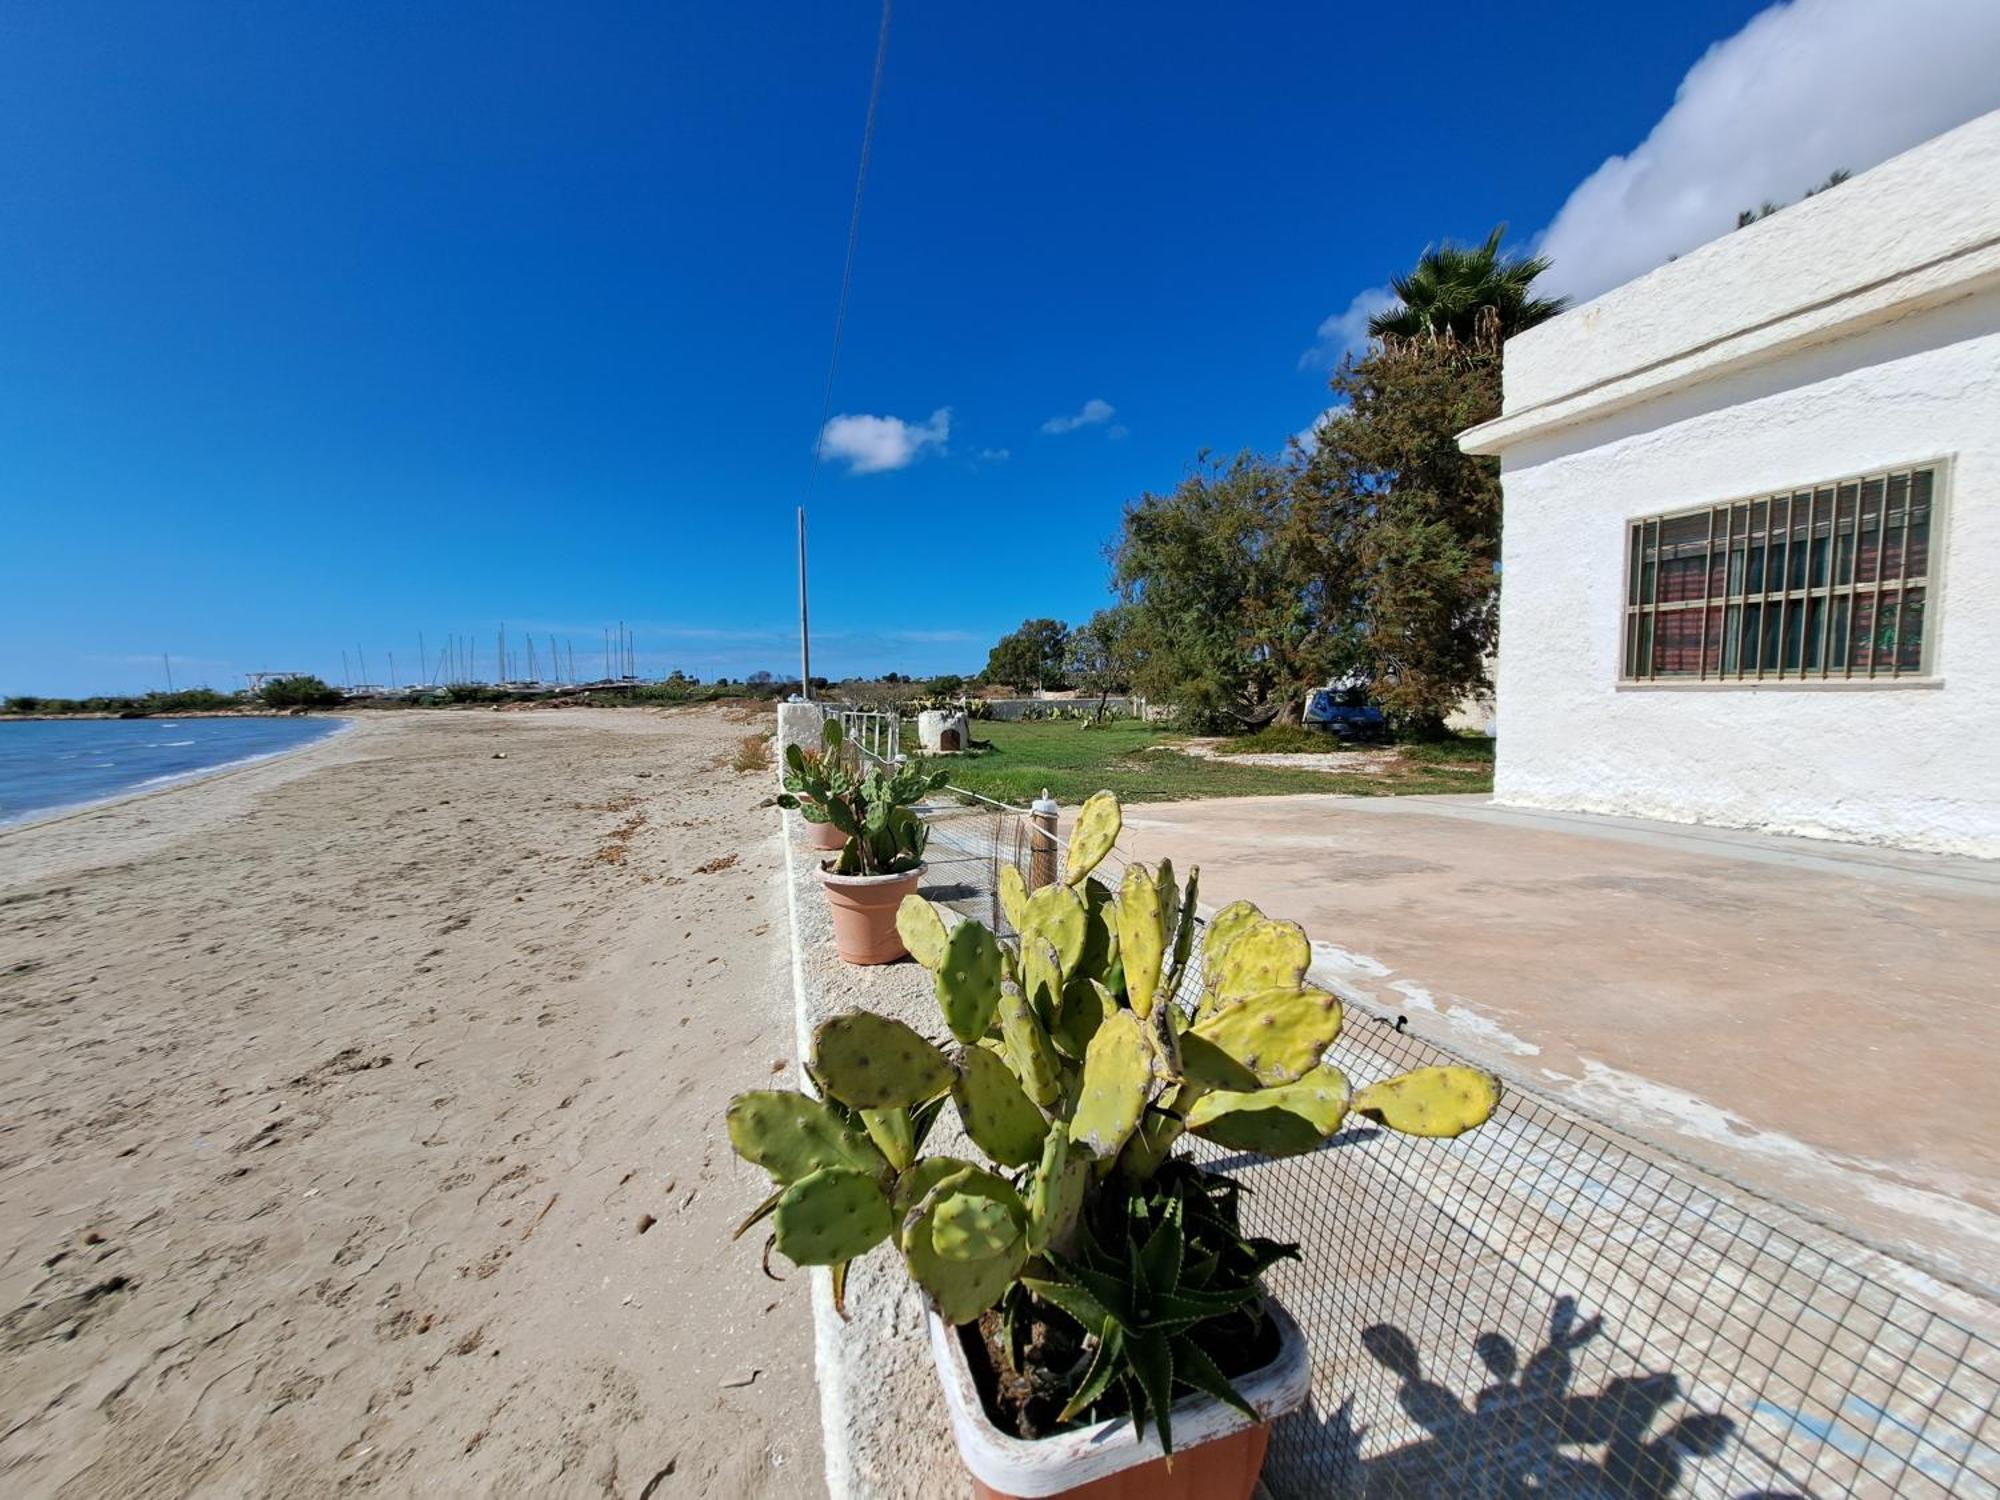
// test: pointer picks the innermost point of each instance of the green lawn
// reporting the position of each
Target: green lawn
(1139, 763)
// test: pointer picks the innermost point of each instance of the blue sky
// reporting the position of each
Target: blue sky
(321, 326)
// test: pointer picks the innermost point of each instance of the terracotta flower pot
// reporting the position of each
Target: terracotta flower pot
(1218, 1452)
(823, 835)
(864, 914)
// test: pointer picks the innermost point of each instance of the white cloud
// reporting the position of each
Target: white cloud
(1094, 413)
(874, 445)
(1344, 333)
(993, 455)
(1803, 89)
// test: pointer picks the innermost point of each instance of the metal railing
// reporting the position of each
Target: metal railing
(876, 733)
(1545, 1307)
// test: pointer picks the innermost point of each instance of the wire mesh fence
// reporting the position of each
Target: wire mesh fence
(1543, 1307)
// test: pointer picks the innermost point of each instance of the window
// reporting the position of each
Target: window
(1823, 584)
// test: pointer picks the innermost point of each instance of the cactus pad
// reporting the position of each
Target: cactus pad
(1014, 896)
(1431, 1101)
(1100, 931)
(1042, 978)
(1267, 955)
(961, 1289)
(1001, 1119)
(1097, 826)
(1085, 1004)
(968, 1226)
(1207, 1066)
(922, 931)
(1223, 929)
(1278, 1034)
(832, 1216)
(1282, 1121)
(868, 1061)
(1117, 1081)
(1056, 913)
(791, 1136)
(894, 1135)
(1056, 1199)
(1184, 925)
(1141, 942)
(912, 1186)
(1029, 1052)
(968, 981)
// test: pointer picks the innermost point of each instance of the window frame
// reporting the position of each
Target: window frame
(1639, 617)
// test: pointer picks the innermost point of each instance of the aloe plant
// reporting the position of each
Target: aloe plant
(1075, 1072)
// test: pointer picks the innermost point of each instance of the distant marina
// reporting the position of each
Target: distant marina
(49, 766)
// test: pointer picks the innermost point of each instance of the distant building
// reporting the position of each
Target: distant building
(1751, 567)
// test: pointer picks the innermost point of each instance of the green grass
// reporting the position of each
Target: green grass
(1139, 763)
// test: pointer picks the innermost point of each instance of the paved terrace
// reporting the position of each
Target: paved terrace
(1815, 1022)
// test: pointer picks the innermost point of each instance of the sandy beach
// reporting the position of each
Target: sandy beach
(361, 1123)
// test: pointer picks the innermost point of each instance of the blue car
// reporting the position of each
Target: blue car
(1346, 713)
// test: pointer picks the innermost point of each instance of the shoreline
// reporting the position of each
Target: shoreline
(365, 1122)
(171, 783)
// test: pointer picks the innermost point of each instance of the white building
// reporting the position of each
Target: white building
(1751, 566)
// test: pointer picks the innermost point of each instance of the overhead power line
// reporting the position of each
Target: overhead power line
(853, 239)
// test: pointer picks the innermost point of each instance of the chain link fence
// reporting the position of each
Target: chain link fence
(1543, 1307)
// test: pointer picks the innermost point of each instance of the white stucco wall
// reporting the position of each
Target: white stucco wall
(1903, 372)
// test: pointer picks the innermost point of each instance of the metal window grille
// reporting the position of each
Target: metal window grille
(1830, 583)
(1546, 1307)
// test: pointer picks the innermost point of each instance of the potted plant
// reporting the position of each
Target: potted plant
(1098, 1316)
(807, 776)
(881, 858)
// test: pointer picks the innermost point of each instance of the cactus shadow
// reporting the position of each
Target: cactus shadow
(1238, 1161)
(1527, 1433)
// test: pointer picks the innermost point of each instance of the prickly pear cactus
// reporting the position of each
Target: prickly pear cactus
(791, 1136)
(1267, 955)
(1029, 1051)
(968, 981)
(1142, 944)
(1077, 1072)
(1277, 1034)
(1282, 1121)
(1431, 1101)
(1098, 823)
(922, 930)
(971, 1226)
(996, 1111)
(1014, 896)
(868, 1061)
(832, 1216)
(1056, 914)
(962, 1289)
(1117, 1081)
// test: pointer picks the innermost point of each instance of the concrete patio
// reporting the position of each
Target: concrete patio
(1812, 1021)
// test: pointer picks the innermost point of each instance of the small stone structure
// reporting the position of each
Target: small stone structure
(943, 731)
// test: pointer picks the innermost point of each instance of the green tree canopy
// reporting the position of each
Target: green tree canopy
(1215, 620)
(1031, 657)
(299, 692)
(1395, 531)
(1100, 657)
(1464, 292)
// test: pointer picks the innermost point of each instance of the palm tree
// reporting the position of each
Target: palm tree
(1454, 290)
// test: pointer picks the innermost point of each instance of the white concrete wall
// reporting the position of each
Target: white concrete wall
(1805, 269)
(1915, 766)
(1851, 333)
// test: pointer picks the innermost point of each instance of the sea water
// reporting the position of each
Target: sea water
(50, 764)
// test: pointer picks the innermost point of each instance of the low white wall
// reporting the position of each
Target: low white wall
(1917, 766)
